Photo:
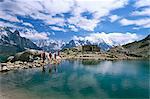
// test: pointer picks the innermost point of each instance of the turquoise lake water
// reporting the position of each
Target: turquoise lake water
(79, 79)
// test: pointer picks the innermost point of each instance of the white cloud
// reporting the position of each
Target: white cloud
(45, 9)
(6, 24)
(110, 38)
(34, 35)
(28, 24)
(57, 7)
(99, 9)
(86, 24)
(55, 21)
(8, 17)
(57, 28)
(73, 28)
(126, 22)
(33, 8)
(145, 23)
(145, 12)
(142, 3)
(136, 28)
(114, 18)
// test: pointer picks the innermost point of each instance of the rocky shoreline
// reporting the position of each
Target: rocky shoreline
(28, 59)
(99, 56)
(22, 65)
(38, 62)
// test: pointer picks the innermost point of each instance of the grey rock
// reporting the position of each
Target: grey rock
(27, 56)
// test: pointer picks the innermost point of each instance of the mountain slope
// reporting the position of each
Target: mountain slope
(138, 48)
(141, 47)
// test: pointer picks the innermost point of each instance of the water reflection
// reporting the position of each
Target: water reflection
(90, 62)
(109, 67)
(50, 68)
(43, 69)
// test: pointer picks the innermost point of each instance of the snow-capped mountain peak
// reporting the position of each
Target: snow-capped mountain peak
(78, 42)
(9, 38)
(50, 45)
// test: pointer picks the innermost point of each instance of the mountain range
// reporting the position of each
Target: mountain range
(11, 43)
(50, 45)
(74, 43)
(18, 43)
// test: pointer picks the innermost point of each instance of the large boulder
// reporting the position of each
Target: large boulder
(27, 56)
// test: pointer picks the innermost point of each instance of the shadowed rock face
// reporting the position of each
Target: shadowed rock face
(14, 38)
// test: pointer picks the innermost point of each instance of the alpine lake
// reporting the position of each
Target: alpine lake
(79, 79)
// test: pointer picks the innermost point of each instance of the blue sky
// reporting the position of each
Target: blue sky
(68, 19)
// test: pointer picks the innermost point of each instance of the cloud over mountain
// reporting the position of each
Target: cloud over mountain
(109, 38)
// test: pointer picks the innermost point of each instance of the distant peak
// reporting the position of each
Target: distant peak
(17, 32)
(148, 37)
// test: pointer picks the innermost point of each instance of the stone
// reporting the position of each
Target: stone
(30, 66)
(36, 61)
(17, 65)
(18, 62)
(38, 65)
(3, 64)
(27, 56)
(25, 67)
(11, 66)
(10, 58)
(4, 69)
